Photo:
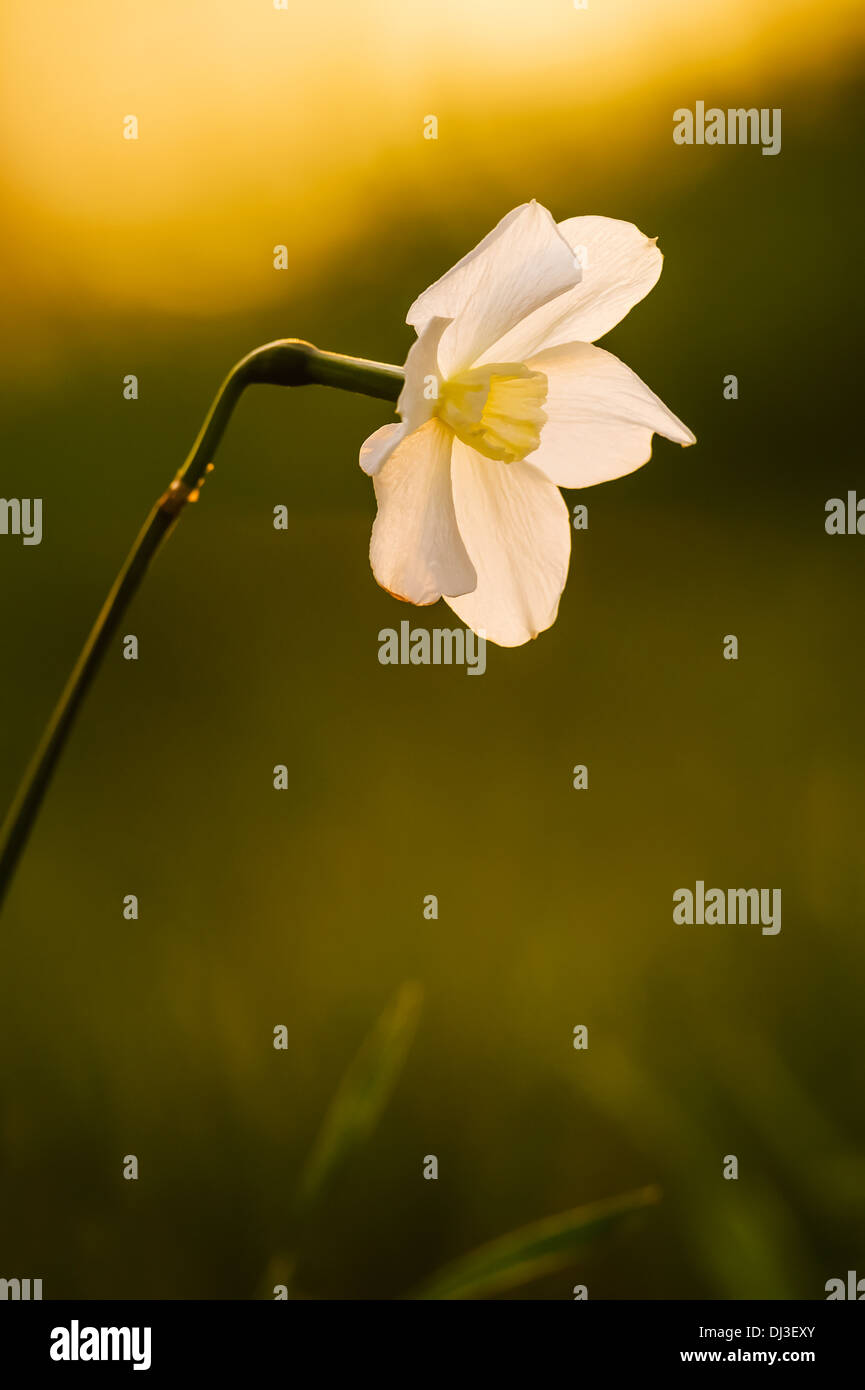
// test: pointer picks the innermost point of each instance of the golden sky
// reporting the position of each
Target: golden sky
(260, 125)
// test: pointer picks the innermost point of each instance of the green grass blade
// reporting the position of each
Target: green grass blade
(364, 1091)
(531, 1251)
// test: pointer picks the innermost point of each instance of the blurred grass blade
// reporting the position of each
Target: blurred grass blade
(533, 1250)
(364, 1091)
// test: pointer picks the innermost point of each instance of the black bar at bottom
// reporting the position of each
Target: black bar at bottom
(406, 1341)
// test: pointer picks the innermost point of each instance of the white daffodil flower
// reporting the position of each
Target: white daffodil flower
(505, 400)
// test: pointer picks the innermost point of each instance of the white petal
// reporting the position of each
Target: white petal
(620, 266)
(516, 529)
(415, 549)
(600, 417)
(415, 406)
(450, 292)
(521, 264)
(377, 449)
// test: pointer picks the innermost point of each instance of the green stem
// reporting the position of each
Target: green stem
(286, 363)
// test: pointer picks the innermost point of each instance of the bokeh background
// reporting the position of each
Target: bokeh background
(304, 908)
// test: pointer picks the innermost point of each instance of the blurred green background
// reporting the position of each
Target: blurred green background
(257, 647)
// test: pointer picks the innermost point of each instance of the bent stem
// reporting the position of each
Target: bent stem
(285, 363)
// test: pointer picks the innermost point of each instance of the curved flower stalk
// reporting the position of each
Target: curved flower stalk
(506, 399)
(286, 363)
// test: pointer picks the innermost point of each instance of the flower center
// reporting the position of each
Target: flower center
(496, 409)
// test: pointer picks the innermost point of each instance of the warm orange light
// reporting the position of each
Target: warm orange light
(261, 126)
